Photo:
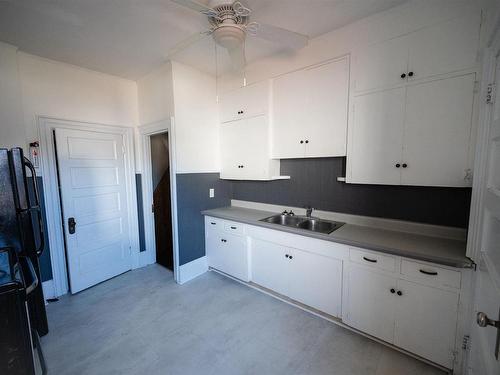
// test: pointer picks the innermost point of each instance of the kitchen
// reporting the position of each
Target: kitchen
(346, 176)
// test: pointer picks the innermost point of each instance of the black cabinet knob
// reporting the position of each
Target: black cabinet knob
(393, 290)
(291, 257)
(397, 165)
(301, 142)
(286, 255)
(403, 76)
(307, 141)
(404, 165)
(410, 74)
(399, 293)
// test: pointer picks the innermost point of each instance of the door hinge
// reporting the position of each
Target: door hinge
(466, 342)
(490, 93)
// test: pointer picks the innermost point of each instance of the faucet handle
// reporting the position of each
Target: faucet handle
(285, 212)
(291, 213)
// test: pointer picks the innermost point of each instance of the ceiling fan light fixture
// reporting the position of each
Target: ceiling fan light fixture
(229, 36)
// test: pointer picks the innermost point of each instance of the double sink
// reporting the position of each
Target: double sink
(304, 222)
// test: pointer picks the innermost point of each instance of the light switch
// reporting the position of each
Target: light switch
(211, 193)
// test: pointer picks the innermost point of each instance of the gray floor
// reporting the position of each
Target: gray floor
(143, 323)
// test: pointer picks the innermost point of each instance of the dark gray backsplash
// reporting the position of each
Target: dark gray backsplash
(314, 182)
(192, 198)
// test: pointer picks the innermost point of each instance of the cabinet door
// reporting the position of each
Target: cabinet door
(228, 253)
(370, 303)
(327, 96)
(270, 266)
(255, 150)
(380, 65)
(376, 137)
(290, 117)
(248, 101)
(437, 132)
(316, 281)
(444, 48)
(232, 148)
(426, 320)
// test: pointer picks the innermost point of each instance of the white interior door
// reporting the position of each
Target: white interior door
(93, 194)
(485, 340)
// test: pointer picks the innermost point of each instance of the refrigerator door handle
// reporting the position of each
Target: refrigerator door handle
(41, 245)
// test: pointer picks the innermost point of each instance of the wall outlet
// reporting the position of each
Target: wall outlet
(211, 193)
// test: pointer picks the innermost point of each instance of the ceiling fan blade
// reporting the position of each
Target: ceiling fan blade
(183, 44)
(288, 38)
(238, 59)
(197, 7)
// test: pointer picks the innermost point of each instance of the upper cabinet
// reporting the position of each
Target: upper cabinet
(444, 48)
(245, 102)
(309, 111)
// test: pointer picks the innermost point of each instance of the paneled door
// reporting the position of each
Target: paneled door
(94, 205)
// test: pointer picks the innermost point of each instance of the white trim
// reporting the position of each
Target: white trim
(46, 127)
(146, 131)
(376, 222)
(193, 269)
(48, 289)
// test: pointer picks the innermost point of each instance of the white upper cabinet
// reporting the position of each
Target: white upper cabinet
(245, 150)
(437, 132)
(443, 48)
(376, 137)
(309, 108)
(245, 102)
(380, 65)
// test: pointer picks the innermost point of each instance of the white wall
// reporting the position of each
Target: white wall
(196, 120)
(59, 90)
(382, 26)
(12, 131)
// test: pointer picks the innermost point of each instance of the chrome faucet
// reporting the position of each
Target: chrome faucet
(309, 211)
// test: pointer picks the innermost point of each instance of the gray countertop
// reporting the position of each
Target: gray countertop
(439, 250)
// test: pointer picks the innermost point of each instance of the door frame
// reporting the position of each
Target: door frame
(146, 131)
(46, 126)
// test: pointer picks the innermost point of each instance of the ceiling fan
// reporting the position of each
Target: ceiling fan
(230, 24)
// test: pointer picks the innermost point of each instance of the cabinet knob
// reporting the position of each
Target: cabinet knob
(404, 165)
(397, 165)
(307, 140)
(286, 255)
(393, 290)
(291, 257)
(301, 142)
(410, 74)
(399, 293)
(403, 76)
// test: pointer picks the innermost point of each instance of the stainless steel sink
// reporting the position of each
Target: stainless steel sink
(304, 222)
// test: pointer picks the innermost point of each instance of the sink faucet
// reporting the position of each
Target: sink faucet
(309, 211)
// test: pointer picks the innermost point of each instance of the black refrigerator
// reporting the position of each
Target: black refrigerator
(21, 233)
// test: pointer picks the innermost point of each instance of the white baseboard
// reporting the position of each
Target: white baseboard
(193, 269)
(48, 289)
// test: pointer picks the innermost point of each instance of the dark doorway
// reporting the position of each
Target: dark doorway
(161, 200)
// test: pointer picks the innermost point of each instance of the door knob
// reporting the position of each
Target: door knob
(71, 225)
(483, 320)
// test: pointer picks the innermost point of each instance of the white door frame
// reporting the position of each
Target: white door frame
(146, 131)
(47, 126)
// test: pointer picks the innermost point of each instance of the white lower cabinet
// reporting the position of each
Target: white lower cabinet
(419, 318)
(370, 305)
(311, 279)
(426, 320)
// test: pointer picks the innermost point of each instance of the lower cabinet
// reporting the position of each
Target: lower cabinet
(419, 318)
(227, 253)
(311, 279)
(426, 320)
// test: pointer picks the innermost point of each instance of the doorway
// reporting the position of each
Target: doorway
(162, 205)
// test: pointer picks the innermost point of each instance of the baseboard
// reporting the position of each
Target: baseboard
(48, 289)
(193, 269)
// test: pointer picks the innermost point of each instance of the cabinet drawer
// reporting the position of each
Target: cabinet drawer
(431, 274)
(371, 259)
(234, 228)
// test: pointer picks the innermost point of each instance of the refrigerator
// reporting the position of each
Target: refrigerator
(21, 231)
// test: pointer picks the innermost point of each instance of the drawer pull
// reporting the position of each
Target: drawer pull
(431, 273)
(213, 223)
(370, 260)
(233, 228)
(223, 240)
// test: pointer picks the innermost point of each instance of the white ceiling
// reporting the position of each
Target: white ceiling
(129, 38)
